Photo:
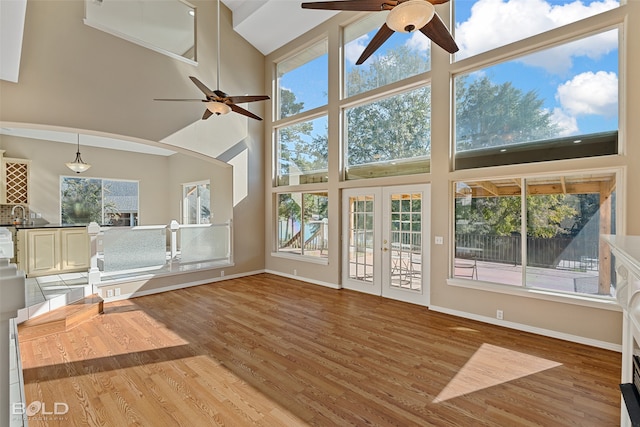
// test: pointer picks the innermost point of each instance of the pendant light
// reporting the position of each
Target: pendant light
(78, 165)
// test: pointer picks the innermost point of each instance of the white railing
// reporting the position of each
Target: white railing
(161, 248)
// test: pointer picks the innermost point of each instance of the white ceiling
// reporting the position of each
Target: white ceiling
(270, 24)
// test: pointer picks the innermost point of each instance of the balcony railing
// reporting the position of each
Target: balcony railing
(157, 248)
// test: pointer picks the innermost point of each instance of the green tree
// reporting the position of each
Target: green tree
(397, 127)
(490, 115)
(82, 201)
(501, 216)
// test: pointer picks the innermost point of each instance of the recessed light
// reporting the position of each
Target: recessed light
(192, 12)
(502, 150)
(577, 141)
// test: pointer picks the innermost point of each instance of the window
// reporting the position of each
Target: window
(554, 104)
(303, 81)
(482, 25)
(389, 137)
(104, 201)
(562, 219)
(303, 152)
(303, 225)
(196, 203)
(403, 55)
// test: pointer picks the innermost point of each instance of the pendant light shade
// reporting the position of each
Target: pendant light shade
(410, 16)
(78, 165)
(218, 108)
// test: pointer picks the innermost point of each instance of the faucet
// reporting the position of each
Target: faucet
(24, 213)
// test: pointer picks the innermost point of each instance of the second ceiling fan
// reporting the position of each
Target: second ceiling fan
(217, 101)
(405, 16)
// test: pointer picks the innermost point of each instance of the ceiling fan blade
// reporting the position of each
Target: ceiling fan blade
(220, 94)
(381, 36)
(438, 32)
(201, 86)
(362, 5)
(244, 112)
(247, 98)
(206, 114)
(188, 100)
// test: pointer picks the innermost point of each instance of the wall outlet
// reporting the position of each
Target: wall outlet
(499, 314)
(109, 293)
(117, 292)
(295, 272)
(222, 273)
(439, 240)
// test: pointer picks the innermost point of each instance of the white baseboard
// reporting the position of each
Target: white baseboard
(304, 279)
(177, 286)
(526, 328)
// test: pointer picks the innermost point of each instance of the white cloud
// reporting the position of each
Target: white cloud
(567, 124)
(590, 93)
(419, 42)
(495, 23)
(354, 49)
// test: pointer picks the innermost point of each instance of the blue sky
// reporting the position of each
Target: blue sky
(579, 82)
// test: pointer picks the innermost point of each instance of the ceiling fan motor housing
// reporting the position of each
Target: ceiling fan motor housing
(410, 15)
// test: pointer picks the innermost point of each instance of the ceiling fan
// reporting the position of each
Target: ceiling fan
(217, 101)
(405, 16)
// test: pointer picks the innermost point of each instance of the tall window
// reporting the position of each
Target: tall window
(390, 136)
(303, 81)
(482, 25)
(554, 104)
(196, 203)
(552, 243)
(104, 201)
(303, 224)
(302, 152)
(403, 55)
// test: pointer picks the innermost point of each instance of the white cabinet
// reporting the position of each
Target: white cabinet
(627, 254)
(74, 249)
(46, 251)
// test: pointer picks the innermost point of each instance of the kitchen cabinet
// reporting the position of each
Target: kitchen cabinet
(45, 251)
(14, 177)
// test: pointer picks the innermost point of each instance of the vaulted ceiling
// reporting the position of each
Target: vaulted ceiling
(270, 24)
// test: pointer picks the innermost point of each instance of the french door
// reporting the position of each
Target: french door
(385, 242)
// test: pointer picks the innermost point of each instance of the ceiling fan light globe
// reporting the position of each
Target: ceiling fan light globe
(218, 108)
(410, 16)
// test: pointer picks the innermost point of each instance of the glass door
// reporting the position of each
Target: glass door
(386, 242)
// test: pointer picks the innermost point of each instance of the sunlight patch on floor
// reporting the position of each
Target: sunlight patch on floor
(491, 365)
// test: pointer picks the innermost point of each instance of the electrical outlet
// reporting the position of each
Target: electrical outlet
(117, 292)
(295, 272)
(439, 240)
(222, 273)
(109, 293)
(499, 314)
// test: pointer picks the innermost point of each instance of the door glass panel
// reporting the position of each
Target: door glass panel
(361, 237)
(406, 241)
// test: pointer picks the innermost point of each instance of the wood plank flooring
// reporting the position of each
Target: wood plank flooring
(271, 351)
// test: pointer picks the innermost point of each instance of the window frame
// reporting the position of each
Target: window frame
(277, 250)
(184, 213)
(593, 300)
(558, 148)
(135, 217)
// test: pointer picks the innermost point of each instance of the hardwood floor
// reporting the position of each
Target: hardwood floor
(272, 351)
